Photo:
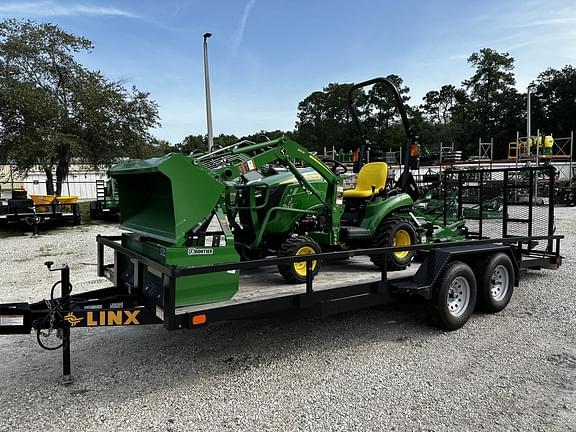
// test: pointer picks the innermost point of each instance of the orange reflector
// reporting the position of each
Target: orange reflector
(199, 319)
(415, 150)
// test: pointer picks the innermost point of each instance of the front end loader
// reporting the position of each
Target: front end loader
(247, 201)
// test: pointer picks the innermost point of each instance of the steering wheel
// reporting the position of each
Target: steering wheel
(336, 165)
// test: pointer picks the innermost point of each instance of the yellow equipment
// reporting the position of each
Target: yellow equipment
(371, 180)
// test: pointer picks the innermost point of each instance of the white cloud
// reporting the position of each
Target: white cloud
(49, 8)
(240, 32)
(545, 22)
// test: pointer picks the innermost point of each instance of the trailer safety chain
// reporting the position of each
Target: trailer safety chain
(55, 309)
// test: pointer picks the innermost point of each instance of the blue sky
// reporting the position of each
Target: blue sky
(266, 56)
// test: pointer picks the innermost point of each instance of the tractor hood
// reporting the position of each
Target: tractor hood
(163, 198)
(286, 177)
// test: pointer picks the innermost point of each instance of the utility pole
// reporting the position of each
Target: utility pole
(529, 125)
(207, 85)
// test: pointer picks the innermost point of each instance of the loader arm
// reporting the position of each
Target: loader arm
(284, 151)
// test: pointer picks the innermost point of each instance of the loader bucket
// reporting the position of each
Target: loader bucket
(164, 198)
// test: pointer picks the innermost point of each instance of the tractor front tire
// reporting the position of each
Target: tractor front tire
(299, 245)
(394, 232)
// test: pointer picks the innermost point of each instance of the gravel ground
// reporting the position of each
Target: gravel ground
(379, 369)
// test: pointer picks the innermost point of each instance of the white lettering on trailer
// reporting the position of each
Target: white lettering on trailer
(11, 320)
(198, 251)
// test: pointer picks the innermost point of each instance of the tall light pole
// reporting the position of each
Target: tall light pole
(528, 121)
(207, 85)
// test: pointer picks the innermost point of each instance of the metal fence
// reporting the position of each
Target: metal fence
(80, 182)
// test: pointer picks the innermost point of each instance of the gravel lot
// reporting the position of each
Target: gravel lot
(379, 369)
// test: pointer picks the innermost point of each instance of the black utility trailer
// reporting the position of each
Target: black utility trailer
(22, 210)
(454, 278)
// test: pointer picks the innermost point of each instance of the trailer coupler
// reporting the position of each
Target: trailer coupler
(53, 318)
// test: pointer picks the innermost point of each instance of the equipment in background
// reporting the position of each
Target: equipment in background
(106, 205)
(39, 209)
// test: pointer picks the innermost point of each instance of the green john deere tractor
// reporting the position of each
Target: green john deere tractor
(247, 201)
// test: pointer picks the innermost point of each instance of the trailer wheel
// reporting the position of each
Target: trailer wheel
(495, 283)
(394, 232)
(454, 299)
(293, 246)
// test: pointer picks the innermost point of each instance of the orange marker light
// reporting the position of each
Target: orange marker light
(199, 319)
(415, 150)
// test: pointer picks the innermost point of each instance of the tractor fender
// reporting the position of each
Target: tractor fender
(380, 209)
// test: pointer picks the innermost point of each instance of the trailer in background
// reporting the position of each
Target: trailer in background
(38, 210)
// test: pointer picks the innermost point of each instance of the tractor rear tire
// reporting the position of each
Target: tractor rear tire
(394, 232)
(299, 245)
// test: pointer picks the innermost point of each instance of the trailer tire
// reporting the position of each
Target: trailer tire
(386, 235)
(454, 297)
(299, 245)
(495, 283)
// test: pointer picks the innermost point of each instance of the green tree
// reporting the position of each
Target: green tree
(157, 148)
(381, 118)
(493, 107)
(53, 110)
(437, 119)
(439, 105)
(554, 107)
(199, 143)
(324, 118)
(263, 136)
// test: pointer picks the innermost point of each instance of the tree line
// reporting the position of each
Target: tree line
(486, 105)
(53, 110)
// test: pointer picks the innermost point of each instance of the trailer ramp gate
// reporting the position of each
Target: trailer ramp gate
(509, 202)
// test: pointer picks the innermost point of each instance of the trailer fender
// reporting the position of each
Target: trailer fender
(437, 260)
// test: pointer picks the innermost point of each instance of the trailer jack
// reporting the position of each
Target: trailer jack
(54, 317)
(57, 309)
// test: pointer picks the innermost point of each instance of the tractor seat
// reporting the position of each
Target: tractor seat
(372, 174)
